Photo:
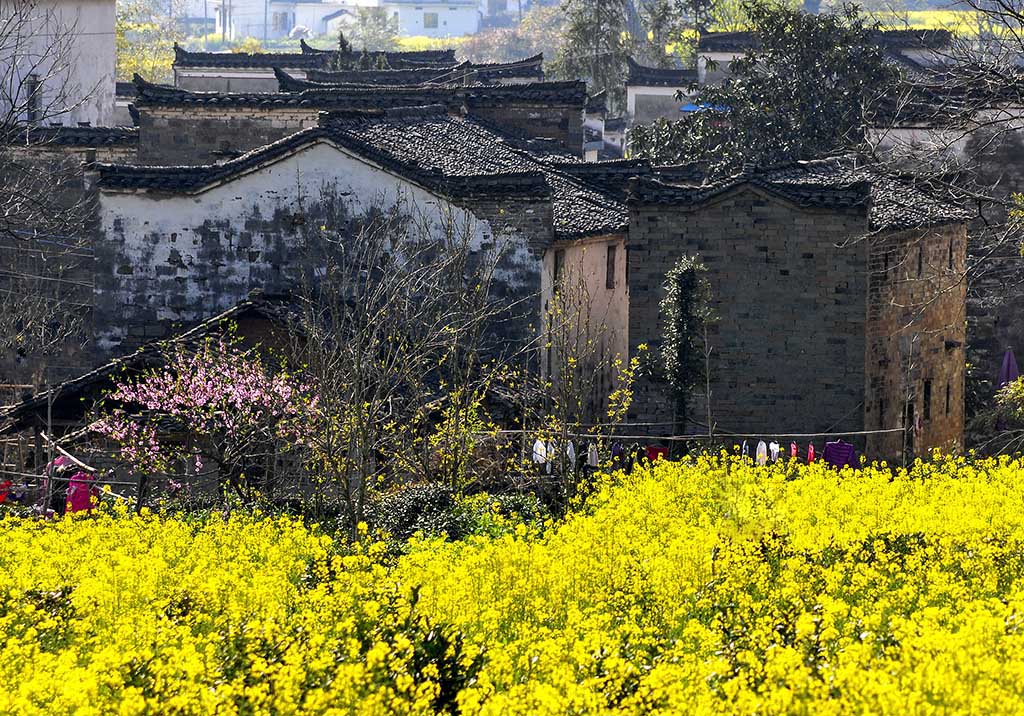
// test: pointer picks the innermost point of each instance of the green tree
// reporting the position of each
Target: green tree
(374, 29)
(145, 33)
(596, 46)
(686, 310)
(805, 93)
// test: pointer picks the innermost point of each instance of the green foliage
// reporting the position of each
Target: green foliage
(686, 312)
(540, 31)
(343, 44)
(596, 46)
(144, 35)
(804, 94)
(374, 29)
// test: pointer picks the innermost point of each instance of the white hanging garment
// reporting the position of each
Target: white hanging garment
(761, 454)
(592, 456)
(773, 450)
(540, 453)
(570, 452)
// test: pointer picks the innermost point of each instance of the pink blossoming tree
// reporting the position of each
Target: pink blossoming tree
(213, 407)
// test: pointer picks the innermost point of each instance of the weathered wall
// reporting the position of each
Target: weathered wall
(167, 259)
(996, 293)
(916, 341)
(789, 337)
(206, 134)
(564, 124)
(589, 297)
(69, 46)
(224, 80)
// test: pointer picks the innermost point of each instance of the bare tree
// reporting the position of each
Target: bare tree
(44, 289)
(396, 341)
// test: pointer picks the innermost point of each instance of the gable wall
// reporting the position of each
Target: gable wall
(789, 337)
(177, 259)
(191, 135)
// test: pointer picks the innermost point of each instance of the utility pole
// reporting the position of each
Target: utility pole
(266, 6)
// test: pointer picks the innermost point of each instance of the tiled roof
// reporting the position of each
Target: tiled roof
(890, 203)
(309, 58)
(81, 136)
(642, 76)
(416, 76)
(727, 42)
(890, 39)
(464, 73)
(364, 96)
(452, 155)
(597, 103)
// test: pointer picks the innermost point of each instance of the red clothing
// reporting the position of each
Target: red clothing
(5, 490)
(655, 453)
(810, 454)
(792, 449)
(81, 491)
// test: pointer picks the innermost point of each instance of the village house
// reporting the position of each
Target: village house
(834, 291)
(911, 50)
(651, 92)
(280, 19)
(178, 126)
(254, 72)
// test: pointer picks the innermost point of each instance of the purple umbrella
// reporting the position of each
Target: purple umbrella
(1009, 372)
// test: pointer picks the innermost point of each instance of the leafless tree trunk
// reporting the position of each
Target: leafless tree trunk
(45, 291)
(395, 342)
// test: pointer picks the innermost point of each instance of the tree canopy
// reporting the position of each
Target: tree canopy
(804, 92)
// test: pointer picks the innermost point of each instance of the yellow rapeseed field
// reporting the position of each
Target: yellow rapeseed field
(710, 587)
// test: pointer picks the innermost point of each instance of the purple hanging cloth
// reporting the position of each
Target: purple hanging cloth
(1009, 371)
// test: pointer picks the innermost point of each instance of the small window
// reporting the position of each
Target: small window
(430, 20)
(949, 393)
(33, 100)
(559, 265)
(609, 276)
(920, 260)
(950, 254)
(927, 407)
(881, 413)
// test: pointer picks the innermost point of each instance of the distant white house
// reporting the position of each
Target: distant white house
(58, 62)
(276, 19)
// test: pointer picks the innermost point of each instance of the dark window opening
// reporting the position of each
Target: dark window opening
(609, 275)
(34, 100)
(881, 413)
(951, 254)
(430, 20)
(927, 407)
(949, 392)
(920, 260)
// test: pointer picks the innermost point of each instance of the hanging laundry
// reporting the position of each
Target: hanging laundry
(618, 456)
(540, 452)
(745, 450)
(840, 454)
(81, 490)
(656, 452)
(761, 453)
(570, 452)
(549, 451)
(593, 459)
(773, 450)
(793, 450)
(810, 453)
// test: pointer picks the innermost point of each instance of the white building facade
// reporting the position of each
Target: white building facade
(58, 61)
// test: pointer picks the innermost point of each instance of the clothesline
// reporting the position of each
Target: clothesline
(61, 478)
(676, 438)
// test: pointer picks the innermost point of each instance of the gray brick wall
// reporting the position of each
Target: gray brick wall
(789, 338)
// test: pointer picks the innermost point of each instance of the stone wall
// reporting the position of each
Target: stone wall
(789, 339)
(190, 135)
(563, 124)
(915, 361)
